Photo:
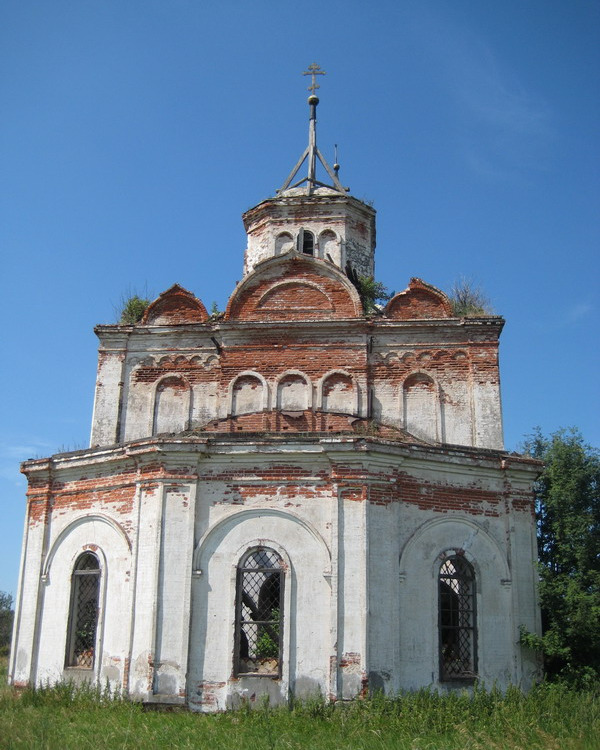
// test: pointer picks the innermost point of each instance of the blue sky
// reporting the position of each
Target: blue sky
(134, 134)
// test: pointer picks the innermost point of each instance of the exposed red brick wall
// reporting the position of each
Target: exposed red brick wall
(310, 292)
(275, 421)
(195, 369)
(99, 490)
(295, 298)
(175, 306)
(454, 363)
(419, 301)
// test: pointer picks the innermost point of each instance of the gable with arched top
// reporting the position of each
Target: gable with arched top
(172, 408)
(337, 391)
(421, 407)
(248, 393)
(174, 307)
(293, 391)
(294, 287)
(419, 301)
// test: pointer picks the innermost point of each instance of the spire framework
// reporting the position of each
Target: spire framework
(311, 153)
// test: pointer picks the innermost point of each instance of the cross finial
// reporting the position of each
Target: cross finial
(314, 70)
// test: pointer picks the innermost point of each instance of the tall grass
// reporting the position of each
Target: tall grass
(550, 717)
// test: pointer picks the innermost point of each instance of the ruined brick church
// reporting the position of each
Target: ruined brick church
(294, 497)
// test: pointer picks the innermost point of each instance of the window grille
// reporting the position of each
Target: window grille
(83, 614)
(458, 654)
(259, 614)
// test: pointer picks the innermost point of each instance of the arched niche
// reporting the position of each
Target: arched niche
(172, 405)
(329, 246)
(339, 393)
(248, 394)
(293, 392)
(420, 406)
(284, 243)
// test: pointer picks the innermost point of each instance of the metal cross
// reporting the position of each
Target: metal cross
(314, 70)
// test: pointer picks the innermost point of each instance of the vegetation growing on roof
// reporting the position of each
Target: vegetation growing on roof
(468, 300)
(132, 310)
(373, 294)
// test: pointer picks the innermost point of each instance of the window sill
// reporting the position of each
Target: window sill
(78, 669)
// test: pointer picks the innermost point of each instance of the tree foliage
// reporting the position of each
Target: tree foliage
(568, 527)
(6, 621)
(468, 299)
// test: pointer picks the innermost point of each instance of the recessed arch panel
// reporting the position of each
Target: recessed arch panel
(172, 405)
(339, 393)
(248, 394)
(420, 406)
(293, 392)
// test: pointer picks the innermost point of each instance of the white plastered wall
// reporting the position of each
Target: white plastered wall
(107, 540)
(306, 621)
(417, 603)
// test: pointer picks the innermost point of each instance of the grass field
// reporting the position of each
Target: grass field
(548, 718)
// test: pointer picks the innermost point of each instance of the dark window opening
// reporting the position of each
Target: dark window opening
(458, 655)
(308, 243)
(259, 614)
(83, 612)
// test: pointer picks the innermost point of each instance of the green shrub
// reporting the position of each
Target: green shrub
(468, 300)
(133, 310)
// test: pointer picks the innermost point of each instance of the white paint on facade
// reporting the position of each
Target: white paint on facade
(362, 452)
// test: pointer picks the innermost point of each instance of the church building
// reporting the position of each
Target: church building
(294, 497)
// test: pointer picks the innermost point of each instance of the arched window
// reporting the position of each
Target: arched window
(83, 612)
(308, 242)
(458, 647)
(259, 613)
